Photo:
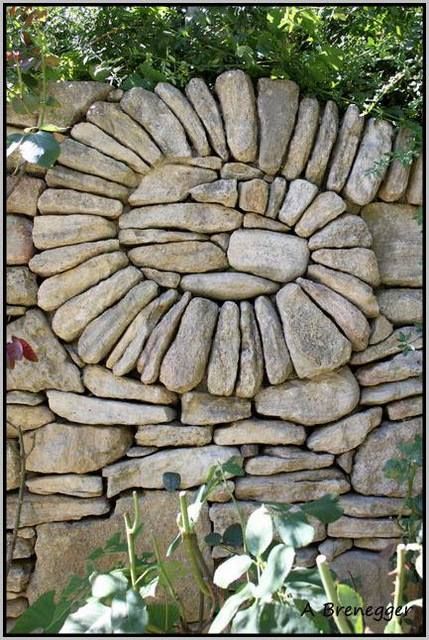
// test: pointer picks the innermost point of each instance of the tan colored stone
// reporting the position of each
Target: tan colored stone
(381, 329)
(301, 143)
(20, 246)
(401, 306)
(346, 434)
(333, 547)
(405, 408)
(255, 221)
(68, 484)
(157, 236)
(18, 576)
(390, 345)
(345, 461)
(345, 148)
(415, 184)
(221, 192)
(59, 176)
(203, 408)
(37, 509)
(205, 105)
(325, 140)
(53, 261)
(15, 310)
(400, 367)
(24, 547)
(249, 450)
(21, 286)
(239, 171)
(58, 231)
(359, 506)
(103, 384)
(359, 262)
(13, 465)
(65, 201)
(346, 527)
(253, 195)
(189, 216)
(278, 364)
(346, 231)
(173, 434)
(25, 398)
(182, 257)
(376, 544)
(23, 198)
(167, 279)
(292, 459)
(227, 285)
(298, 197)
(224, 357)
(260, 431)
(169, 183)
(396, 179)
(323, 209)
(251, 369)
(277, 194)
(26, 417)
(382, 393)
(140, 452)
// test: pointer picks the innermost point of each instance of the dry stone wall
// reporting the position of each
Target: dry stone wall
(203, 275)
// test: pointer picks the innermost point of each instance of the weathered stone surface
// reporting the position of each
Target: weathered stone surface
(167, 279)
(381, 328)
(159, 121)
(127, 351)
(192, 464)
(115, 122)
(203, 408)
(348, 317)
(346, 527)
(268, 254)
(405, 408)
(20, 246)
(224, 356)
(53, 261)
(205, 105)
(69, 484)
(24, 397)
(88, 160)
(360, 262)
(359, 506)
(326, 206)
(255, 221)
(157, 236)
(15, 310)
(37, 509)
(59, 448)
(239, 171)
(352, 288)
(251, 369)
(21, 286)
(297, 486)
(277, 107)
(376, 544)
(346, 434)
(278, 364)
(325, 140)
(18, 576)
(333, 547)
(222, 493)
(302, 140)
(363, 181)
(314, 342)
(345, 148)
(173, 435)
(13, 465)
(277, 194)
(382, 393)
(64, 201)
(415, 184)
(103, 384)
(24, 545)
(253, 195)
(184, 364)
(221, 239)
(401, 306)
(74, 315)
(390, 345)
(346, 231)
(396, 179)
(183, 257)
(298, 197)
(368, 476)
(86, 410)
(140, 452)
(345, 461)
(260, 431)
(227, 285)
(310, 402)
(237, 100)
(400, 367)
(58, 231)
(53, 368)
(249, 450)
(56, 290)
(169, 183)
(221, 191)
(26, 417)
(189, 216)
(24, 196)
(292, 459)
(59, 176)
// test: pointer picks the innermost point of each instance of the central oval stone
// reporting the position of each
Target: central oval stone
(272, 255)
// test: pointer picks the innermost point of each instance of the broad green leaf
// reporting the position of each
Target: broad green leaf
(283, 619)
(231, 570)
(164, 617)
(38, 616)
(13, 141)
(305, 584)
(174, 545)
(325, 509)
(259, 531)
(279, 563)
(233, 535)
(247, 620)
(213, 539)
(40, 148)
(348, 597)
(230, 608)
(171, 481)
(294, 529)
(93, 617)
(105, 585)
(233, 467)
(129, 613)
(393, 627)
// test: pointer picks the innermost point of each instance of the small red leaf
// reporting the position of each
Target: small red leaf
(28, 352)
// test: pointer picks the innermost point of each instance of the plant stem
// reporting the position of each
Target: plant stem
(329, 587)
(399, 580)
(22, 473)
(131, 532)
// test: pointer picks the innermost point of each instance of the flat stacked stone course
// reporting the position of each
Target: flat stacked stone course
(208, 274)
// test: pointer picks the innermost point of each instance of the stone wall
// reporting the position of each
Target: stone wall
(205, 276)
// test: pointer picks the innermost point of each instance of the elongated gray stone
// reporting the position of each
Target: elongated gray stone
(400, 367)
(52, 261)
(358, 292)
(103, 384)
(201, 218)
(278, 364)
(381, 329)
(173, 434)
(346, 231)
(185, 362)
(277, 107)
(224, 357)
(302, 140)
(221, 192)
(203, 408)
(275, 200)
(251, 369)
(401, 306)
(21, 286)
(396, 179)
(382, 393)
(314, 342)
(70, 484)
(415, 185)
(59, 176)
(74, 315)
(38, 509)
(360, 262)
(182, 257)
(157, 236)
(104, 331)
(323, 209)
(237, 100)
(292, 459)
(325, 140)
(227, 285)
(151, 357)
(240, 171)
(169, 183)
(56, 290)
(346, 527)
(367, 173)
(260, 431)
(346, 434)
(345, 148)
(255, 221)
(24, 397)
(359, 506)
(253, 195)
(298, 197)
(308, 402)
(59, 231)
(391, 345)
(167, 279)
(406, 408)
(205, 105)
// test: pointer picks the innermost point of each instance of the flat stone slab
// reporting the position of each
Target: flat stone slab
(345, 148)
(400, 367)
(260, 431)
(70, 484)
(406, 408)
(345, 231)
(206, 107)
(346, 434)
(169, 183)
(401, 306)
(325, 207)
(23, 199)
(391, 345)
(240, 171)
(299, 196)
(221, 192)
(300, 146)
(26, 417)
(20, 247)
(181, 257)
(102, 383)
(52, 261)
(323, 144)
(292, 459)
(172, 435)
(203, 408)
(228, 285)
(253, 195)
(65, 201)
(251, 368)
(359, 506)
(224, 356)
(52, 231)
(21, 286)
(346, 527)
(360, 262)
(38, 509)
(277, 361)
(382, 393)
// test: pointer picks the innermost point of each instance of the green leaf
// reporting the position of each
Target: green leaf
(13, 141)
(51, 127)
(279, 564)
(305, 584)
(393, 627)
(233, 535)
(348, 597)
(286, 620)
(231, 570)
(247, 620)
(40, 148)
(325, 509)
(105, 585)
(164, 617)
(294, 529)
(259, 531)
(129, 613)
(171, 481)
(93, 617)
(230, 608)
(233, 467)
(38, 616)
(213, 539)
(174, 545)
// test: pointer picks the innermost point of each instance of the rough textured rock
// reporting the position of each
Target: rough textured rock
(203, 408)
(277, 107)
(292, 459)
(251, 369)
(169, 183)
(346, 434)
(26, 417)
(325, 140)
(13, 465)
(255, 221)
(141, 452)
(189, 216)
(333, 547)
(400, 367)
(314, 342)
(382, 393)
(103, 384)
(20, 246)
(15, 310)
(183, 257)
(167, 279)
(65, 201)
(361, 263)
(323, 209)
(345, 461)
(59, 176)
(405, 408)
(184, 364)
(253, 195)
(172, 435)
(345, 148)
(24, 546)
(390, 345)
(298, 197)
(18, 576)
(237, 100)
(302, 140)
(157, 236)
(260, 431)
(277, 194)
(376, 544)
(59, 231)
(87, 410)
(53, 369)
(396, 179)
(359, 506)
(221, 192)
(346, 231)
(53, 261)
(205, 105)
(21, 286)
(192, 464)
(363, 181)
(69, 484)
(227, 285)
(25, 194)
(401, 306)
(159, 121)
(24, 397)
(310, 402)
(415, 184)
(224, 356)
(278, 364)
(239, 171)
(37, 509)
(346, 527)
(368, 476)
